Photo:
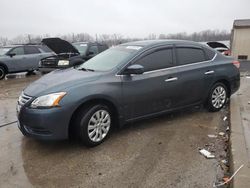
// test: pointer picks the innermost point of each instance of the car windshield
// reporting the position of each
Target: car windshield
(81, 47)
(4, 50)
(110, 58)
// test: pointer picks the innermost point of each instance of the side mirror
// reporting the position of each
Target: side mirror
(134, 69)
(11, 54)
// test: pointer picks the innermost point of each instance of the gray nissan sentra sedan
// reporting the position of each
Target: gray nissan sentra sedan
(132, 81)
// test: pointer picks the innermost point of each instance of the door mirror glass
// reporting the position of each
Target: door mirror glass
(134, 69)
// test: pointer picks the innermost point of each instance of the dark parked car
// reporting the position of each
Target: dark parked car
(21, 58)
(129, 82)
(67, 54)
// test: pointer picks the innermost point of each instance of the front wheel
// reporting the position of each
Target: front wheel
(217, 97)
(94, 124)
(2, 73)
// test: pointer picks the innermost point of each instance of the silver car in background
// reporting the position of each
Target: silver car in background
(21, 58)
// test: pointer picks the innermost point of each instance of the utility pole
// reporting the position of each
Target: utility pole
(29, 38)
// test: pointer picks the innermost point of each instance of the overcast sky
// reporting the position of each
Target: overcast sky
(132, 18)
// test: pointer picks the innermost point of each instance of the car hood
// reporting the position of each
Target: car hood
(60, 80)
(59, 46)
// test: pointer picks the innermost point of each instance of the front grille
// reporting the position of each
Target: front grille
(37, 130)
(49, 63)
(23, 99)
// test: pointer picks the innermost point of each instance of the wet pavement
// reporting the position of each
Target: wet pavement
(160, 152)
(244, 103)
(240, 132)
(245, 66)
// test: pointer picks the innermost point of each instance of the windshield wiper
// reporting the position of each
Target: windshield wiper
(84, 69)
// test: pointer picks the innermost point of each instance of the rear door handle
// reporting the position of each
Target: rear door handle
(209, 72)
(171, 79)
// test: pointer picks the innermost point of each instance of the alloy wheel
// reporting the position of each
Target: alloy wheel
(99, 125)
(218, 97)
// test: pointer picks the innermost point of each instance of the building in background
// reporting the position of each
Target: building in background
(240, 39)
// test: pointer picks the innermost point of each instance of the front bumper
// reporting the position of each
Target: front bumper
(50, 69)
(44, 124)
(46, 70)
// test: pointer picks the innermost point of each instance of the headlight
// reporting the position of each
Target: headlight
(50, 100)
(63, 62)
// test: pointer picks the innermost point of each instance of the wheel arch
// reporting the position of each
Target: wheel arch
(4, 66)
(226, 83)
(92, 101)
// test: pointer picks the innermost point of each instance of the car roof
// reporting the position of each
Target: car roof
(10, 46)
(89, 43)
(151, 43)
(18, 45)
(80, 42)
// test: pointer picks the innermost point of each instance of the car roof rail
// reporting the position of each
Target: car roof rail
(32, 43)
(27, 44)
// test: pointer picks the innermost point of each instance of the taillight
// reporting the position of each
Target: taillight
(236, 64)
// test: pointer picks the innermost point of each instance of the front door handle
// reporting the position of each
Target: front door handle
(209, 72)
(171, 79)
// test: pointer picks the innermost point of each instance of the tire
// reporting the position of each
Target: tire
(30, 72)
(217, 97)
(93, 124)
(2, 72)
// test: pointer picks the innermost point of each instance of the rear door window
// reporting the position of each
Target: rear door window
(31, 50)
(156, 60)
(44, 48)
(210, 53)
(188, 55)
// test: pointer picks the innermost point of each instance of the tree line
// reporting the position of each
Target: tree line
(115, 39)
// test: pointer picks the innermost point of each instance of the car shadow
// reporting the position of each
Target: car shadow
(22, 75)
(43, 160)
(72, 144)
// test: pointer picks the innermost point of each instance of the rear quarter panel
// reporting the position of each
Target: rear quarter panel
(225, 70)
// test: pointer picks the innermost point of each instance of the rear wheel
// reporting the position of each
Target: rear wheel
(2, 72)
(217, 97)
(93, 124)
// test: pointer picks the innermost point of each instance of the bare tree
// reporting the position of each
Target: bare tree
(206, 35)
(115, 39)
(3, 41)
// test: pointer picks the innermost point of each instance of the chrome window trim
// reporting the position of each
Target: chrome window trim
(178, 66)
